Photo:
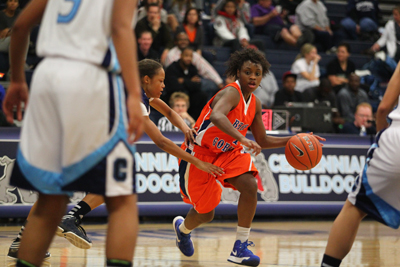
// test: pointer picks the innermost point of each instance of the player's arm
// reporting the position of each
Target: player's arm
(389, 100)
(174, 118)
(124, 41)
(170, 147)
(258, 130)
(17, 92)
(225, 101)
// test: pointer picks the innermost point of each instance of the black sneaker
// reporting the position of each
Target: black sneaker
(13, 250)
(70, 229)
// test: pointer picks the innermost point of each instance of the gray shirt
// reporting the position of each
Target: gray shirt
(310, 14)
(347, 102)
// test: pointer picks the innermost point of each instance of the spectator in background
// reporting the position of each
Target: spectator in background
(243, 12)
(145, 41)
(178, 10)
(230, 30)
(162, 40)
(193, 28)
(182, 76)
(287, 93)
(142, 13)
(211, 82)
(349, 97)
(180, 103)
(340, 67)
(312, 15)
(306, 68)
(7, 19)
(267, 90)
(361, 20)
(268, 21)
(391, 39)
(363, 121)
(321, 94)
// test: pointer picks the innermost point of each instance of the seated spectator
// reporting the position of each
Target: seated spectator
(142, 13)
(179, 102)
(211, 82)
(312, 15)
(361, 20)
(287, 93)
(340, 67)
(323, 94)
(145, 41)
(7, 19)
(391, 39)
(267, 90)
(230, 30)
(243, 12)
(306, 68)
(162, 40)
(268, 21)
(179, 7)
(289, 8)
(363, 121)
(182, 76)
(192, 26)
(349, 97)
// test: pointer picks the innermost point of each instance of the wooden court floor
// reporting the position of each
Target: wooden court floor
(277, 243)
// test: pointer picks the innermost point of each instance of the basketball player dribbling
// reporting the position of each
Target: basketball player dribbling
(376, 189)
(221, 138)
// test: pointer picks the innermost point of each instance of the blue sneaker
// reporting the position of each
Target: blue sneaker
(242, 255)
(183, 241)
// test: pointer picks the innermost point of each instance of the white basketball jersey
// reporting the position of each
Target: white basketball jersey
(76, 29)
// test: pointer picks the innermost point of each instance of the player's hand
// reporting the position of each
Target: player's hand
(189, 136)
(252, 146)
(210, 168)
(17, 93)
(319, 138)
(135, 127)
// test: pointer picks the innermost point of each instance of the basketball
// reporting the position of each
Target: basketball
(303, 151)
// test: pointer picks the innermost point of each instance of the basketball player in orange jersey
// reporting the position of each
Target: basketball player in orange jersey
(221, 138)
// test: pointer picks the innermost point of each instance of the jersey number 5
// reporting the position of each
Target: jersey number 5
(68, 17)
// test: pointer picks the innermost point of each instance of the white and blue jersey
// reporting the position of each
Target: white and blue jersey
(75, 127)
(376, 190)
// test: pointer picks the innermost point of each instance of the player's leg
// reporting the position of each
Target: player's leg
(70, 227)
(14, 247)
(122, 229)
(343, 234)
(47, 215)
(184, 226)
(246, 184)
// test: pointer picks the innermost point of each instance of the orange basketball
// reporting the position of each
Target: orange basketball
(303, 151)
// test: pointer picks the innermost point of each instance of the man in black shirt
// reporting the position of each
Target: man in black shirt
(145, 41)
(182, 76)
(287, 93)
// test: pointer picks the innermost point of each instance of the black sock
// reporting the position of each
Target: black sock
(22, 263)
(19, 236)
(80, 210)
(329, 261)
(116, 263)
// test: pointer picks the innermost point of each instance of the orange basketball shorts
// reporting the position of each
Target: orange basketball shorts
(203, 190)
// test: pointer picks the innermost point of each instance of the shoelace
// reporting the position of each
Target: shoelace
(246, 244)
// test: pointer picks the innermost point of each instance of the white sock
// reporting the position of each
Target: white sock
(183, 228)
(242, 234)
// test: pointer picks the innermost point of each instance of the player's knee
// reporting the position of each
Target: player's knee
(207, 217)
(251, 186)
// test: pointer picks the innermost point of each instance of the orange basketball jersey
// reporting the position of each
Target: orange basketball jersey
(241, 117)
